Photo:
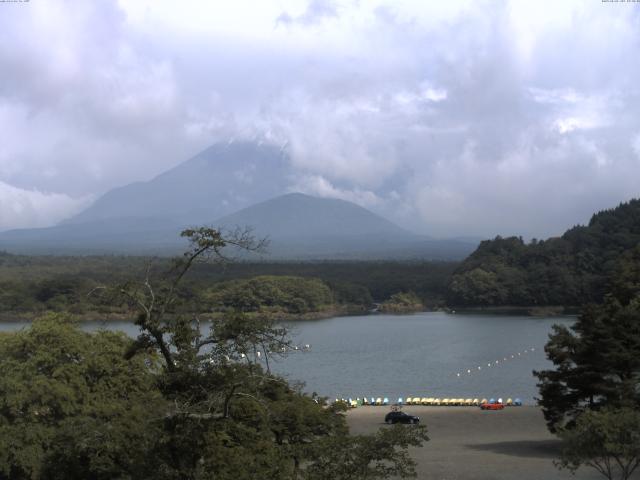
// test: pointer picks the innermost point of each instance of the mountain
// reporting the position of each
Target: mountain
(218, 181)
(299, 227)
(579, 267)
(228, 185)
(305, 227)
(296, 215)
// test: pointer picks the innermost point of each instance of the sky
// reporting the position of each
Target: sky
(467, 118)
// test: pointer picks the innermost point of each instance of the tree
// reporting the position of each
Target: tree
(382, 455)
(597, 363)
(607, 440)
(72, 406)
(227, 415)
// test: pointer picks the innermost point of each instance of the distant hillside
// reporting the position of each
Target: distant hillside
(300, 227)
(576, 268)
(220, 180)
(305, 227)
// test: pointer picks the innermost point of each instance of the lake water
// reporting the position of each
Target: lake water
(411, 355)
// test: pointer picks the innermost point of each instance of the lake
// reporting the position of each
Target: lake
(430, 354)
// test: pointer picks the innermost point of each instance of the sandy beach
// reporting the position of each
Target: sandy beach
(470, 444)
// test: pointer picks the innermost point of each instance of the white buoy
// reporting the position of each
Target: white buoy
(457, 374)
(469, 371)
(488, 364)
(479, 368)
(258, 354)
(497, 362)
(242, 355)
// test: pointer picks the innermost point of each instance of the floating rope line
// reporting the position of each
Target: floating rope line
(498, 362)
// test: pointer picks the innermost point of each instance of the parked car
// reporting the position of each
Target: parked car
(401, 417)
(491, 406)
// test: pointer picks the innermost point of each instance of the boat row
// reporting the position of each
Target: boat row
(430, 401)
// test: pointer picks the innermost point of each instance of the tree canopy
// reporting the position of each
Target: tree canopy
(572, 270)
(187, 399)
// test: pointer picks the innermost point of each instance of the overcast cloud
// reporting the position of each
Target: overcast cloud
(465, 118)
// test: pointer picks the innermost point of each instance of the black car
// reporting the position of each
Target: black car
(401, 417)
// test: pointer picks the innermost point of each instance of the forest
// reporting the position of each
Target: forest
(572, 270)
(32, 285)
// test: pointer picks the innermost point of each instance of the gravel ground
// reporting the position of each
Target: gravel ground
(467, 443)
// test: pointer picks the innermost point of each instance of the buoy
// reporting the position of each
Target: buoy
(469, 371)
(488, 364)
(479, 368)
(258, 354)
(242, 355)
(458, 374)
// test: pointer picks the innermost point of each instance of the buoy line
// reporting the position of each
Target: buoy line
(498, 362)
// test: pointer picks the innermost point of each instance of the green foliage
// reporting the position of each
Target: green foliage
(383, 455)
(272, 294)
(607, 440)
(402, 302)
(597, 363)
(33, 285)
(71, 406)
(227, 416)
(571, 270)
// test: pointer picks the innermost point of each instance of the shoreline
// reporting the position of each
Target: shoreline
(338, 311)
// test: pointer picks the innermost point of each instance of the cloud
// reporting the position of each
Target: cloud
(29, 208)
(448, 117)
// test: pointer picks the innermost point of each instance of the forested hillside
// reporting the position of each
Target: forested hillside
(571, 270)
(32, 285)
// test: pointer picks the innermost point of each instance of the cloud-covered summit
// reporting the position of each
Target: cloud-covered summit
(452, 118)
